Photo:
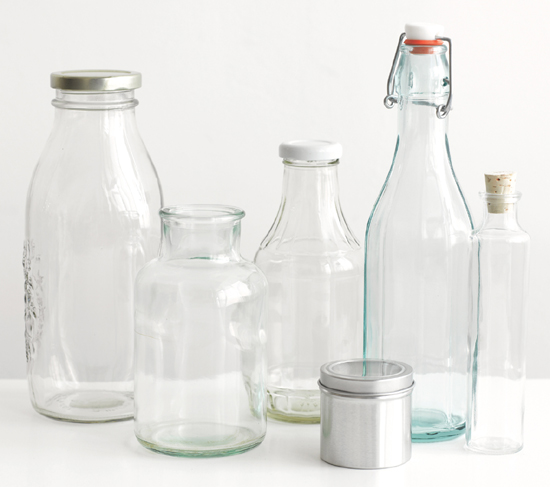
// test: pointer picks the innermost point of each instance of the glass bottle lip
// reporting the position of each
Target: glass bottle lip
(201, 214)
(422, 48)
(299, 163)
(500, 198)
(94, 100)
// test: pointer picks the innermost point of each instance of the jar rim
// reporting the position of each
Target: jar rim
(202, 213)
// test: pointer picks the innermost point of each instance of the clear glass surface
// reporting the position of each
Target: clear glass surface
(417, 249)
(91, 223)
(314, 266)
(497, 338)
(200, 366)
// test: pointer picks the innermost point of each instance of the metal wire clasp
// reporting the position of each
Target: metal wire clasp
(443, 110)
(391, 99)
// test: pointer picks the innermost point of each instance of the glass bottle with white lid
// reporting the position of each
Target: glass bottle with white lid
(91, 223)
(314, 266)
(417, 244)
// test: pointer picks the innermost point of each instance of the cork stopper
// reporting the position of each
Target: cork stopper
(503, 182)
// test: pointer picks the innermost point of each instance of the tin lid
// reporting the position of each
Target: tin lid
(95, 80)
(363, 376)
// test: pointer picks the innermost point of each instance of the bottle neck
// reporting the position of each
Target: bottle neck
(200, 233)
(94, 100)
(422, 74)
(102, 112)
(310, 217)
(500, 211)
(421, 86)
(418, 125)
(310, 187)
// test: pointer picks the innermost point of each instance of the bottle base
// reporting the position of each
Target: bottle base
(89, 406)
(293, 406)
(180, 439)
(430, 426)
(494, 446)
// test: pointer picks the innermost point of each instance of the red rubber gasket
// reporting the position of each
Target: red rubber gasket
(414, 42)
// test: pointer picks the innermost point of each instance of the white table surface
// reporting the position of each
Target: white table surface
(40, 452)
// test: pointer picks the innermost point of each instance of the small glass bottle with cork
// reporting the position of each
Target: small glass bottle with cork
(500, 266)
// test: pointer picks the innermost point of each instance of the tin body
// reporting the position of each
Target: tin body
(361, 429)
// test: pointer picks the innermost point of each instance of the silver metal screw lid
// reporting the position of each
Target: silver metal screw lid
(363, 376)
(95, 80)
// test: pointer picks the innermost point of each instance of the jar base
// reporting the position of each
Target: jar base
(494, 446)
(89, 406)
(278, 416)
(430, 426)
(293, 406)
(180, 439)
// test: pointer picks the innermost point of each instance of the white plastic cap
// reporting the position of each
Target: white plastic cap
(310, 150)
(421, 31)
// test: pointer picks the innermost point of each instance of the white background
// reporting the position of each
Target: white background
(224, 82)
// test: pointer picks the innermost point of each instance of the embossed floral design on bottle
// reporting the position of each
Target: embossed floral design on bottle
(34, 303)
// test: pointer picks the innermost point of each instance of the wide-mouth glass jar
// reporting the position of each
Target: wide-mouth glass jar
(199, 340)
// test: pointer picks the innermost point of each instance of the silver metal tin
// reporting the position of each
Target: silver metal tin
(95, 80)
(366, 413)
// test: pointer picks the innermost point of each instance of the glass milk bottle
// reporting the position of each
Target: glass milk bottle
(497, 338)
(91, 223)
(417, 243)
(200, 365)
(314, 266)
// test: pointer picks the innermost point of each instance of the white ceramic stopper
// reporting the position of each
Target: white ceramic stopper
(501, 182)
(421, 31)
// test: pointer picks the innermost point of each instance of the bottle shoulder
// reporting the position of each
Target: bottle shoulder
(293, 233)
(202, 273)
(106, 183)
(309, 264)
(427, 208)
(305, 247)
(422, 182)
(79, 155)
(511, 235)
(423, 219)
